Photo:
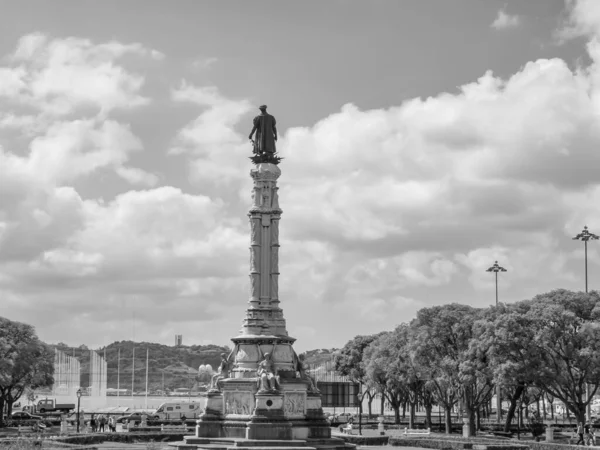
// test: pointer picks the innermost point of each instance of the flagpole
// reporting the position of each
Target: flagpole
(118, 374)
(132, 375)
(147, 353)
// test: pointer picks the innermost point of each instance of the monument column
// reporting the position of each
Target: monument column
(262, 390)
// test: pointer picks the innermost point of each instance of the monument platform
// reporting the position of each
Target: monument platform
(194, 443)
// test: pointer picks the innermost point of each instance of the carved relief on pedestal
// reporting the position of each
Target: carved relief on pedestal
(283, 353)
(246, 353)
(275, 202)
(254, 257)
(256, 196)
(239, 403)
(254, 231)
(266, 195)
(255, 286)
(274, 286)
(275, 232)
(275, 259)
(294, 404)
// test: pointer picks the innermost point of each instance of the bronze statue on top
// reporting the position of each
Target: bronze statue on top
(266, 136)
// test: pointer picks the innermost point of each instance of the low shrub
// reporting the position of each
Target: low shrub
(364, 440)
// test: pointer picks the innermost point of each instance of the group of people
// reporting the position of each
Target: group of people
(101, 423)
(586, 434)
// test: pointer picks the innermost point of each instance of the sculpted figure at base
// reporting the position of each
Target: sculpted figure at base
(303, 374)
(222, 373)
(267, 378)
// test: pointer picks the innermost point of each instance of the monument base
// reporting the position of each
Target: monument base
(241, 416)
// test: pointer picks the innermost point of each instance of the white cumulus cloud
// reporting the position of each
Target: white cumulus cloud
(504, 20)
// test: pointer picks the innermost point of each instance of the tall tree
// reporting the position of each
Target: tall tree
(441, 341)
(25, 362)
(558, 337)
(349, 362)
(378, 359)
(507, 338)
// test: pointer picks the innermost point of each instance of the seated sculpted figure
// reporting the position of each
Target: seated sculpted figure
(303, 374)
(222, 372)
(267, 379)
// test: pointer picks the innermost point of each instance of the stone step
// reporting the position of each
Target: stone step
(273, 448)
(198, 440)
(269, 443)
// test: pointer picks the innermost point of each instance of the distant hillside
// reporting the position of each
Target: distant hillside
(319, 356)
(169, 367)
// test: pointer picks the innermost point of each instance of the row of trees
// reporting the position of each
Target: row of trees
(26, 363)
(549, 345)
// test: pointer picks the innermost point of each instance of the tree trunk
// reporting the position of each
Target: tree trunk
(411, 417)
(428, 409)
(513, 405)
(1, 410)
(448, 419)
(404, 410)
(544, 408)
(370, 402)
(470, 414)
(396, 414)
(478, 415)
(382, 405)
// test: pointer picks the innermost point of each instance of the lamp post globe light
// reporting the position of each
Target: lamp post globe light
(586, 236)
(78, 404)
(496, 268)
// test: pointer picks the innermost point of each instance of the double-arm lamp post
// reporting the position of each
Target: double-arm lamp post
(586, 236)
(496, 268)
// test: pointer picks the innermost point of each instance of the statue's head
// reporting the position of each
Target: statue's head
(267, 355)
(263, 108)
(223, 355)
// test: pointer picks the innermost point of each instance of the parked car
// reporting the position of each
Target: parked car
(24, 418)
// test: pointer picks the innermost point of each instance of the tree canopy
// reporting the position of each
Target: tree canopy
(25, 361)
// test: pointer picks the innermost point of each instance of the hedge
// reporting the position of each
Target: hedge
(363, 440)
(98, 438)
(457, 443)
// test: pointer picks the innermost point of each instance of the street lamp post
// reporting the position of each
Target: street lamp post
(586, 236)
(496, 268)
(78, 404)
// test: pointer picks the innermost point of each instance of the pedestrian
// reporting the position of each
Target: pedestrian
(183, 419)
(580, 431)
(102, 422)
(111, 424)
(93, 423)
(592, 434)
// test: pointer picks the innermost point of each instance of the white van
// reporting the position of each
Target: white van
(174, 410)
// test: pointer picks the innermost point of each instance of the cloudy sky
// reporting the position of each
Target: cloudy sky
(423, 140)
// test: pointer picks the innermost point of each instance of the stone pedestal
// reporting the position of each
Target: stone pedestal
(380, 425)
(466, 428)
(549, 434)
